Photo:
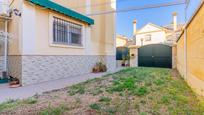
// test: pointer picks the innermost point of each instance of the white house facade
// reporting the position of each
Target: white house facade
(150, 34)
(155, 34)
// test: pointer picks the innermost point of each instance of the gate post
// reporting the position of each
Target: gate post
(133, 55)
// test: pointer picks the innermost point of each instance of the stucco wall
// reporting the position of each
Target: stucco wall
(157, 35)
(31, 35)
(195, 52)
(180, 56)
(15, 30)
(99, 39)
(120, 42)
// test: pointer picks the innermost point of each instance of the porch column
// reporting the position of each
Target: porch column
(133, 56)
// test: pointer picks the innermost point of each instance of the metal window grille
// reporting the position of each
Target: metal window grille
(66, 33)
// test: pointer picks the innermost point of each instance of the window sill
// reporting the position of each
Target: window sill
(66, 46)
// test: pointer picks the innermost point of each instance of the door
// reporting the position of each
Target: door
(155, 55)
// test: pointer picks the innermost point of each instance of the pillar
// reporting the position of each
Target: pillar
(133, 56)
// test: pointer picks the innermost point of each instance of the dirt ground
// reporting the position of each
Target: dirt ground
(134, 91)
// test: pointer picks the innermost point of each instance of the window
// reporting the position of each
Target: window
(66, 33)
(148, 37)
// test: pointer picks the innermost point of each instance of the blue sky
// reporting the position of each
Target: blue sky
(159, 16)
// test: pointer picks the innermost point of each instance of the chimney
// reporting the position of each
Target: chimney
(174, 20)
(134, 27)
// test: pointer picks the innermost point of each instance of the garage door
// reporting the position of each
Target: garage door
(155, 55)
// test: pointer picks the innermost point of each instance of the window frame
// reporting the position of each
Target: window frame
(64, 45)
(148, 38)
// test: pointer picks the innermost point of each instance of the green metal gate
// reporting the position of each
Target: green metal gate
(155, 55)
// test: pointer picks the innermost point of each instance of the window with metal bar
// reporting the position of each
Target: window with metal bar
(66, 33)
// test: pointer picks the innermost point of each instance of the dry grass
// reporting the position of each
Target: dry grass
(133, 91)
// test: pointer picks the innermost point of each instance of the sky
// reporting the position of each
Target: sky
(160, 16)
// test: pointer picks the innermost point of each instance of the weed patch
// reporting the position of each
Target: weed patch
(132, 91)
(95, 106)
(141, 91)
(30, 101)
(104, 99)
(54, 110)
(76, 89)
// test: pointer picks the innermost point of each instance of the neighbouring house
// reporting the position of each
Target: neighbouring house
(53, 39)
(155, 34)
(155, 45)
(190, 51)
(121, 41)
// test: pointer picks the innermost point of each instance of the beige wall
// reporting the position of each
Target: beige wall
(99, 39)
(15, 45)
(180, 55)
(195, 52)
(99, 42)
(14, 28)
(121, 41)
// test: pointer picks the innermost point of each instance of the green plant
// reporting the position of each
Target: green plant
(10, 104)
(104, 99)
(110, 110)
(122, 84)
(141, 91)
(30, 101)
(95, 106)
(143, 113)
(165, 99)
(77, 89)
(96, 91)
(159, 82)
(54, 110)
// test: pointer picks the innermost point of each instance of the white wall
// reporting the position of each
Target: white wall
(158, 35)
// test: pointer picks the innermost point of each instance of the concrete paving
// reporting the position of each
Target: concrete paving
(7, 93)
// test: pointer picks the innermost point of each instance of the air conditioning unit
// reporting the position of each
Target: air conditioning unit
(4, 7)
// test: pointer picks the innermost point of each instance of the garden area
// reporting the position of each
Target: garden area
(131, 91)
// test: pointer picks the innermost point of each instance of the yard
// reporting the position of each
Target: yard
(132, 91)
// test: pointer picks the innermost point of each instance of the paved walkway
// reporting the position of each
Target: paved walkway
(29, 91)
